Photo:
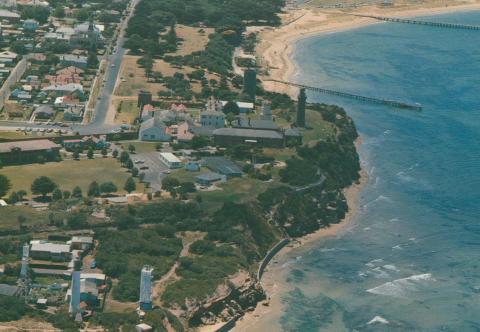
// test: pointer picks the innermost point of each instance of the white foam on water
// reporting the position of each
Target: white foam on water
(402, 288)
(378, 319)
(327, 249)
(379, 273)
(391, 267)
(398, 247)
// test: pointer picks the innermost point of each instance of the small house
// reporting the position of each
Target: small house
(208, 179)
(192, 166)
(30, 25)
(170, 160)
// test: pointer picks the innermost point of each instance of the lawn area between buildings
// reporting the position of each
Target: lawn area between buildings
(9, 217)
(70, 173)
(127, 111)
(320, 129)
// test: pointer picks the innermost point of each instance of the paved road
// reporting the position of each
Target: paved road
(98, 125)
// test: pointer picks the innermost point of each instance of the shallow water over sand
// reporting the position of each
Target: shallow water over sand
(411, 262)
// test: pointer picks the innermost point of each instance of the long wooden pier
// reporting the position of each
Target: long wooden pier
(388, 102)
(433, 24)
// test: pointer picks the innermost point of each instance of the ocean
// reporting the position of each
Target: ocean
(411, 262)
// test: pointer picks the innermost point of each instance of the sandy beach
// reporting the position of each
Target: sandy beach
(273, 277)
(274, 53)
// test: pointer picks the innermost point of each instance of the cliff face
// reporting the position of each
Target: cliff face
(240, 296)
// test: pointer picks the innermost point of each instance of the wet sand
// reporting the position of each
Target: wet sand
(275, 56)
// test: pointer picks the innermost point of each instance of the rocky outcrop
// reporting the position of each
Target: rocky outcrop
(240, 299)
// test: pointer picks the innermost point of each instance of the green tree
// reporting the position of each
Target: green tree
(21, 194)
(130, 164)
(42, 186)
(131, 148)
(76, 154)
(13, 198)
(134, 171)
(230, 118)
(90, 153)
(115, 154)
(59, 12)
(66, 194)
(5, 185)
(198, 142)
(169, 184)
(93, 189)
(104, 152)
(231, 107)
(130, 185)
(124, 157)
(57, 194)
(108, 188)
(77, 192)
(92, 60)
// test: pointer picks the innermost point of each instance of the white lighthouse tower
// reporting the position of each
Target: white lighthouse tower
(146, 288)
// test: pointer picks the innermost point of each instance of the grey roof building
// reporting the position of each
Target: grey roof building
(223, 166)
(255, 124)
(207, 179)
(237, 136)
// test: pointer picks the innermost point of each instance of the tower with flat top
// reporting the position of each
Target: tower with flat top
(146, 288)
(301, 105)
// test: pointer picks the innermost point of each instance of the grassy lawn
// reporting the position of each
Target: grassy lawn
(15, 135)
(186, 176)
(236, 190)
(9, 217)
(140, 147)
(320, 129)
(193, 39)
(70, 173)
(279, 154)
(127, 111)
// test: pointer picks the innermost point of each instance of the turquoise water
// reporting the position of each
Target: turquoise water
(412, 260)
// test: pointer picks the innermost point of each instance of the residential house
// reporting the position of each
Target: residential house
(154, 129)
(192, 166)
(74, 112)
(30, 25)
(208, 179)
(73, 60)
(43, 112)
(181, 132)
(38, 58)
(28, 151)
(9, 15)
(43, 250)
(223, 166)
(243, 106)
(82, 242)
(65, 89)
(61, 34)
(212, 119)
(8, 56)
(170, 160)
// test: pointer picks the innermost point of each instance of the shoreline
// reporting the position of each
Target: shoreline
(275, 50)
(277, 46)
(272, 281)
